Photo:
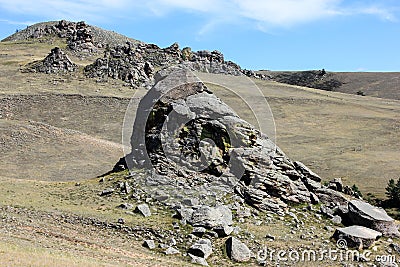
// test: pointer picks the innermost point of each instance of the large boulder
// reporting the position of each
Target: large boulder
(356, 237)
(362, 213)
(183, 130)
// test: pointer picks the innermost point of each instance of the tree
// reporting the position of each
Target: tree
(393, 192)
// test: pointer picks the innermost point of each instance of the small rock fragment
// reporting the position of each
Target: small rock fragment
(143, 209)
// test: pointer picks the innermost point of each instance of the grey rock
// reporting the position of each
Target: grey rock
(236, 250)
(336, 184)
(199, 231)
(107, 191)
(149, 244)
(223, 230)
(270, 179)
(303, 169)
(202, 248)
(143, 209)
(327, 195)
(56, 62)
(210, 217)
(198, 260)
(362, 213)
(336, 219)
(171, 251)
(191, 202)
(357, 236)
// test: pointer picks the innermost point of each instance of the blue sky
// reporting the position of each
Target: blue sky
(337, 35)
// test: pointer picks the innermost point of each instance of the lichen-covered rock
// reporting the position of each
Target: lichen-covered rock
(182, 127)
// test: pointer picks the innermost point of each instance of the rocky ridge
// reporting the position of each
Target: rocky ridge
(125, 58)
(135, 64)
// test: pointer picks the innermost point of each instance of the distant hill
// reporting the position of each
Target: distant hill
(376, 84)
(100, 35)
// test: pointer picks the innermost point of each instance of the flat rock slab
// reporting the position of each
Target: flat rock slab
(356, 236)
(362, 213)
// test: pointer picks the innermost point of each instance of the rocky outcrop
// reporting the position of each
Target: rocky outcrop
(356, 237)
(135, 63)
(56, 62)
(122, 62)
(319, 79)
(362, 213)
(78, 34)
(184, 130)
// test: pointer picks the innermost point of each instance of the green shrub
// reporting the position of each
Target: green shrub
(393, 192)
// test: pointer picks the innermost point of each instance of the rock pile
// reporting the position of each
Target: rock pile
(56, 62)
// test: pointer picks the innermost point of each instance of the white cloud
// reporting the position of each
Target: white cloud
(286, 12)
(262, 13)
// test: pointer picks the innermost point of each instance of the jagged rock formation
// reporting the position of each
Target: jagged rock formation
(319, 79)
(134, 63)
(185, 130)
(56, 62)
(125, 58)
